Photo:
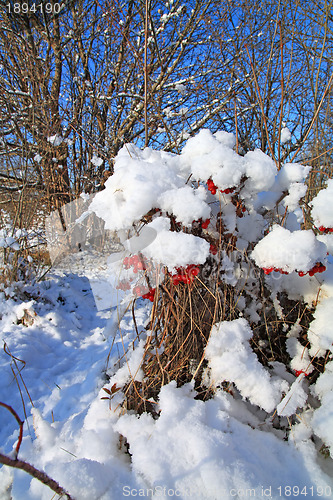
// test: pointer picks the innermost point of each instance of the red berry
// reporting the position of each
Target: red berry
(301, 273)
(176, 279)
(205, 224)
(192, 270)
(322, 228)
(133, 260)
(299, 372)
(213, 190)
(186, 279)
(268, 270)
(213, 249)
(150, 295)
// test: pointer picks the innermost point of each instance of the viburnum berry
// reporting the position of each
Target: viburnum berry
(269, 270)
(299, 372)
(211, 186)
(176, 279)
(123, 285)
(228, 190)
(137, 290)
(205, 224)
(326, 230)
(126, 263)
(213, 249)
(318, 268)
(141, 266)
(192, 270)
(150, 295)
(185, 275)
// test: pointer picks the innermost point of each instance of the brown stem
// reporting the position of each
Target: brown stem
(40, 475)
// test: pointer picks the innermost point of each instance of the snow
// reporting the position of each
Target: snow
(96, 161)
(285, 135)
(321, 328)
(174, 249)
(322, 206)
(186, 205)
(289, 251)
(74, 342)
(55, 140)
(322, 421)
(140, 180)
(231, 358)
(260, 170)
(295, 398)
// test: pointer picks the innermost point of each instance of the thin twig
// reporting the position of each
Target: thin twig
(38, 474)
(146, 73)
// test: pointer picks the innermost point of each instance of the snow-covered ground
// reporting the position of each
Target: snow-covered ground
(221, 448)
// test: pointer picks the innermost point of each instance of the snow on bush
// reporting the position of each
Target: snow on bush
(322, 421)
(231, 358)
(207, 220)
(322, 207)
(289, 251)
(285, 135)
(236, 221)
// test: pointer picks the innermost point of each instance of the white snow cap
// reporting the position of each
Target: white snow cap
(95, 160)
(289, 251)
(210, 156)
(144, 180)
(174, 249)
(322, 206)
(231, 358)
(260, 170)
(55, 140)
(285, 135)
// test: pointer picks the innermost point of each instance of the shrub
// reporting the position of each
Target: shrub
(233, 277)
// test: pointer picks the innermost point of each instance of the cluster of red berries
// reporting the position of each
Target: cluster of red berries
(150, 295)
(212, 188)
(137, 262)
(213, 249)
(123, 285)
(185, 275)
(269, 270)
(318, 268)
(204, 224)
(325, 230)
(139, 290)
(228, 190)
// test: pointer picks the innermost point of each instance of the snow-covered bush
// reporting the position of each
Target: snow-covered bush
(233, 277)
